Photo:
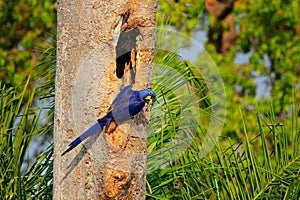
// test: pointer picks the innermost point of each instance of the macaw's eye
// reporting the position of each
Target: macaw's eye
(150, 93)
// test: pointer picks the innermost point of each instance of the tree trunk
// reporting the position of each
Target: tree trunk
(101, 47)
(222, 33)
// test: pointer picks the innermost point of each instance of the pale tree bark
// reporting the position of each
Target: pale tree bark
(101, 47)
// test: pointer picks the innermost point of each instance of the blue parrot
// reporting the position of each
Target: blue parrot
(127, 104)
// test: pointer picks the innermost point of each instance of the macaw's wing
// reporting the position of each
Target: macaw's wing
(127, 107)
(120, 111)
(122, 97)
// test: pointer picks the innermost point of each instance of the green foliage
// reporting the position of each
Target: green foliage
(183, 14)
(20, 121)
(181, 94)
(263, 166)
(20, 177)
(258, 156)
(273, 33)
(46, 71)
(38, 180)
(268, 36)
(24, 25)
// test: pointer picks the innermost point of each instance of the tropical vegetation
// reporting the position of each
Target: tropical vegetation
(256, 157)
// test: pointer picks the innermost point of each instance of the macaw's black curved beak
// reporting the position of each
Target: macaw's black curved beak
(150, 99)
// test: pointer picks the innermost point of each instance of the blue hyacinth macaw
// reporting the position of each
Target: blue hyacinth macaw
(127, 104)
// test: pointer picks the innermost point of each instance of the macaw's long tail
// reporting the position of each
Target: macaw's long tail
(91, 131)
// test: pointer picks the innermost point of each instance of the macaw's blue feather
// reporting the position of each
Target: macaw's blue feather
(127, 104)
(91, 131)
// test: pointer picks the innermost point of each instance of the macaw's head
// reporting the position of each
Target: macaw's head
(148, 96)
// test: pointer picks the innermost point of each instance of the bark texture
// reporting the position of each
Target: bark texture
(101, 47)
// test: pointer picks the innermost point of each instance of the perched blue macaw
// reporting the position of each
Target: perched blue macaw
(127, 104)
